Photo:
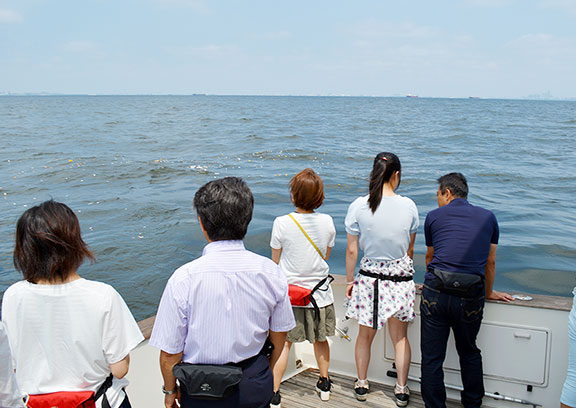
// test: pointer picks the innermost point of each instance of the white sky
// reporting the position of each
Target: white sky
(460, 48)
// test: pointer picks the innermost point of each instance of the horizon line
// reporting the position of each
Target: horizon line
(543, 97)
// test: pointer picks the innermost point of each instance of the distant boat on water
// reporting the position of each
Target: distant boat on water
(473, 97)
(411, 96)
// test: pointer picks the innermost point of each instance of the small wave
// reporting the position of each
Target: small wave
(557, 282)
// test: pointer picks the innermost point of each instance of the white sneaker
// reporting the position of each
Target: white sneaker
(323, 386)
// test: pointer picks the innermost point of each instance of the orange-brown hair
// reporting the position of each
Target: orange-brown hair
(49, 245)
(307, 190)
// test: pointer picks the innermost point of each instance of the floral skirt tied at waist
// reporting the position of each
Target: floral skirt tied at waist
(383, 289)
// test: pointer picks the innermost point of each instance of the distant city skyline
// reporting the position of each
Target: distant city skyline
(479, 48)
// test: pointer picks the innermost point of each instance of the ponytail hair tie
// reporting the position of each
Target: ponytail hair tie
(385, 158)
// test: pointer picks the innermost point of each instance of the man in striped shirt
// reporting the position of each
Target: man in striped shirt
(220, 308)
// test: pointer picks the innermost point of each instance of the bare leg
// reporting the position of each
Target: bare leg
(363, 344)
(281, 364)
(322, 353)
(402, 352)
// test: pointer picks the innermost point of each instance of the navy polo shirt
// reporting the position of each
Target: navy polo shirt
(461, 234)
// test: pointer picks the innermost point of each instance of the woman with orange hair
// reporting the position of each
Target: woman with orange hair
(301, 243)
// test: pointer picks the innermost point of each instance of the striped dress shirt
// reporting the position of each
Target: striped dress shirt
(218, 308)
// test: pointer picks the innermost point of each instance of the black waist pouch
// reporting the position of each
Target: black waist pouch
(464, 285)
(208, 381)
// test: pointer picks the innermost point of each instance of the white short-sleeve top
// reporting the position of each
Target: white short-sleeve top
(299, 260)
(64, 337)
(385, 234)
(10, 395)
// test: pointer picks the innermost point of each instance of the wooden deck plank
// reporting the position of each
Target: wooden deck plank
(300, 392)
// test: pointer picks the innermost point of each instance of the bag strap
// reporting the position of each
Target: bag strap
(101, 392)
(328, 279)
(307, 236)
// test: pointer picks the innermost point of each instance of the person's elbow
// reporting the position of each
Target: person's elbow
(351, 251)
(120, 369)
(491, 265)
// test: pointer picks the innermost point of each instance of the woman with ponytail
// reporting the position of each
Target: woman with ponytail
(383, 225)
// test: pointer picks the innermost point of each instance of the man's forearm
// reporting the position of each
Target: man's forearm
(490, 274)
(278, 339)
(167, 363)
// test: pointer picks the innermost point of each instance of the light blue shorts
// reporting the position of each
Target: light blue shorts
(569, 390)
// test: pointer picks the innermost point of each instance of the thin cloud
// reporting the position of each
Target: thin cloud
(274, 35)
(199, 6)
(543, 49)
(80, 46)
(84, 49)
(379, 30)
(542, 42)
(564, 5)
(490, 3)
(209, 51)
(9, 16)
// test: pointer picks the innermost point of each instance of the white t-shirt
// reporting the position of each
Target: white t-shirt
(64, 337)
(10, 395)
(299, 260)
(385, 234)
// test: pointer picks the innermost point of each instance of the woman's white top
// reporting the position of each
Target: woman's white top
(301, 263)
(64, 337)
(10, 395)
(385, 234)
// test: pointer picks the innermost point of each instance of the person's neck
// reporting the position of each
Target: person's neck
(388, 191)
(70, 278)
(302, 211)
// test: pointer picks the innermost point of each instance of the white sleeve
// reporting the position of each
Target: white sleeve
(350, 221)
(10, 395)
(121, 332)
(276, 238)
(415, 218)
(332, 233)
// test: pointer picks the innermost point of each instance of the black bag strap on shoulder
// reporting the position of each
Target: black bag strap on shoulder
(101, 392)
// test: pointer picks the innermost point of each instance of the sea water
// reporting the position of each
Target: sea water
(130, 165)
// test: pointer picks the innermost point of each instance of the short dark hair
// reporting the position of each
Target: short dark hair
(385, 165)
(456, 183)
(49, 243)
(307, 190)
(225, 208)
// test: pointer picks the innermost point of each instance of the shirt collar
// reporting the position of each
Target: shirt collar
(458, 201)
(222, 246)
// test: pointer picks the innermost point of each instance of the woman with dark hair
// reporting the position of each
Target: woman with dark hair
(301, 243)
(383, 225)
(68, 335)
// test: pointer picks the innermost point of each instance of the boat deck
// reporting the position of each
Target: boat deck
(299, 392)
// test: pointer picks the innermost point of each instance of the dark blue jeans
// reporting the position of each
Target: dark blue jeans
(441, 312)
(254, 391)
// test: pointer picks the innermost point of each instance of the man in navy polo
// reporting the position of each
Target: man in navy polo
(461, 264)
